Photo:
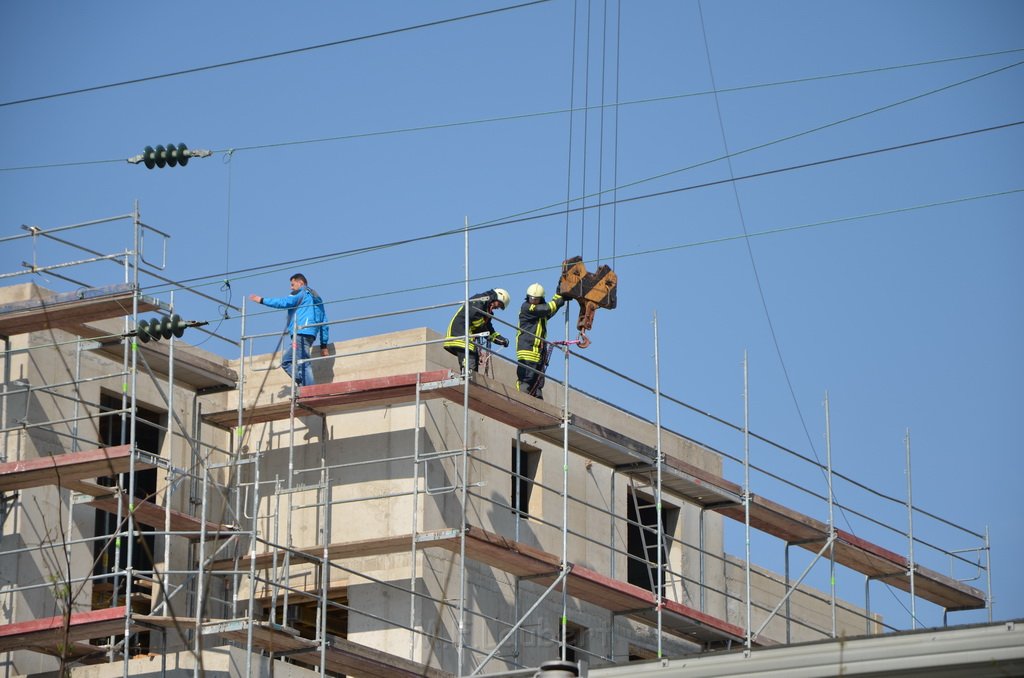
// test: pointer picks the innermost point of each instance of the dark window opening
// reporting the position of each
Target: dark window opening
(302, 615)
(575, 640)
(642, 539)
(638, 654)
(107, 553)
(525, 464)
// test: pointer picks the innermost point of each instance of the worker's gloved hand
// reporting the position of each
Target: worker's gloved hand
(500, 341)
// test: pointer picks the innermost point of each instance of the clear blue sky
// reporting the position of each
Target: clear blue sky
(901, 297)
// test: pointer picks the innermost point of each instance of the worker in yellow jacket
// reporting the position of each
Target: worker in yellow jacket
(531, 351)
(481, 309)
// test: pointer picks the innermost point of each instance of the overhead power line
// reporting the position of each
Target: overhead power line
(274, 55)
(523, 217)
(542, 114)
(280, 266)
(718, 182)
(773, 142)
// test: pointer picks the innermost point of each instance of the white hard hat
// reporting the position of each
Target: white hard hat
(502, 296)
(535, 290)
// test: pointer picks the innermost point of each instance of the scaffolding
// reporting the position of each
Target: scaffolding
(253, 521)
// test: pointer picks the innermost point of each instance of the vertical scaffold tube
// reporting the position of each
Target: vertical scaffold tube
(657, 490)
(254, 526)
(911, 566)
(831, 516)
(746, 497)
(564, 621)
(130, 523)
(415, 521)
(988, 576)
(461, 644)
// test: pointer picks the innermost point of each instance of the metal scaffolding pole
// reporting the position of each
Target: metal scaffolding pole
(789, 611)
(415, 514)
(988, 576)
(911, 566)
(464, 459)
(240, 433)
(167, 491)
(130, 549)
(700, 558)
(660, 459)
(748, 639)
(831, 516)
(324, 491)
(564, 565)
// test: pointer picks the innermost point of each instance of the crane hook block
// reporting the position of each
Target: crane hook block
(592, 291)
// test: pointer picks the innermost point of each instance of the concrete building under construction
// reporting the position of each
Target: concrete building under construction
(168, 511)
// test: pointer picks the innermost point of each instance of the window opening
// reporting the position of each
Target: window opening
(525, 464)
(575, 640)
(642, 538)
(109, 591)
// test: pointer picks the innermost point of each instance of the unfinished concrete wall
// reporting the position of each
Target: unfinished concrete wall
(810, 608)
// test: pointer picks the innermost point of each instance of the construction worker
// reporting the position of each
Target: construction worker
(481, 308)
(305, 308)
(530, 345)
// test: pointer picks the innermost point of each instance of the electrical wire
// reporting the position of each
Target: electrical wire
(615, 171)
(274, 55)
(657, 250)
(760, 287)
(539, 114)
(780, 140)
(743, 224)
(267, 268)
(572, 116)
(600, 134)
(586, 130)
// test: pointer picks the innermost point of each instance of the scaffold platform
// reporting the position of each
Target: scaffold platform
(71, 310)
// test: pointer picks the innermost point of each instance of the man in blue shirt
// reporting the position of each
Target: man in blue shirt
(305, 314)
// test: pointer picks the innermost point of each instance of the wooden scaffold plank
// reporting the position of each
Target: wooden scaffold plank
(48, 634)
(70, 310)
(64, 468)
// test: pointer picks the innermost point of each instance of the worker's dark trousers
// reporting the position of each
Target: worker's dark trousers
(460, 353)
(530, 378)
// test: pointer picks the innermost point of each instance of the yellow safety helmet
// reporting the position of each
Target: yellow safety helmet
(502, 296)
(535, 290)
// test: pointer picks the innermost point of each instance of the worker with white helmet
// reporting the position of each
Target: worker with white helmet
(481, 309)
(531, 351)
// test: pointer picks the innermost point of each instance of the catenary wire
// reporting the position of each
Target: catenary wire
(572, 115)
(615, 162)
(757, 278)
(600, 134)
(586, 129)
(523, 116)
(263, 268)
(280, 266)
(749, 247)
(274, 55)
(701, 243)
(779, 140)
(276, 266)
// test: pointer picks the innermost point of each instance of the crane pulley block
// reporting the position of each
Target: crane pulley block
(592, 291)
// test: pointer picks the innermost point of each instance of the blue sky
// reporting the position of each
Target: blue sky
(899, 294)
